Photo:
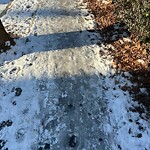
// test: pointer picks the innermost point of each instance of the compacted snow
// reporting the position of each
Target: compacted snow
(56, 89)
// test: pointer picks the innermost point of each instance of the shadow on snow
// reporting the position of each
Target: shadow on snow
(69, 107)
(59, 41)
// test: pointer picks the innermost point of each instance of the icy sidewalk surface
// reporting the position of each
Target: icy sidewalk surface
(57, 88)
(51, 90)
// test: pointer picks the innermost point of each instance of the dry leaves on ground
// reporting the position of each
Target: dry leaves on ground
(129, 54)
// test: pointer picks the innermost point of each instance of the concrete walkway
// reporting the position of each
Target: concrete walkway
(65, 73)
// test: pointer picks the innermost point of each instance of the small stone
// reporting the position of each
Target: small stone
(13, 70)
(139, 135)
(14, 103)
(81, 105)
(130, 120)
(89, 114)
(28, 6)
(100, 139)
(141, 128)
(18, 91)
(119, 147)
(72, 141)
(9, 123)
(30, 64)
(47, 146)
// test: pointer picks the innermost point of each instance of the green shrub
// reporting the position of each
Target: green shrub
(136, 15)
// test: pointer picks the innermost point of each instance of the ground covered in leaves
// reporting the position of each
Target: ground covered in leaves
(130, 55)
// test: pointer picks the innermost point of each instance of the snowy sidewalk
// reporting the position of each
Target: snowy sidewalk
(53, 96)
(57, 91)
